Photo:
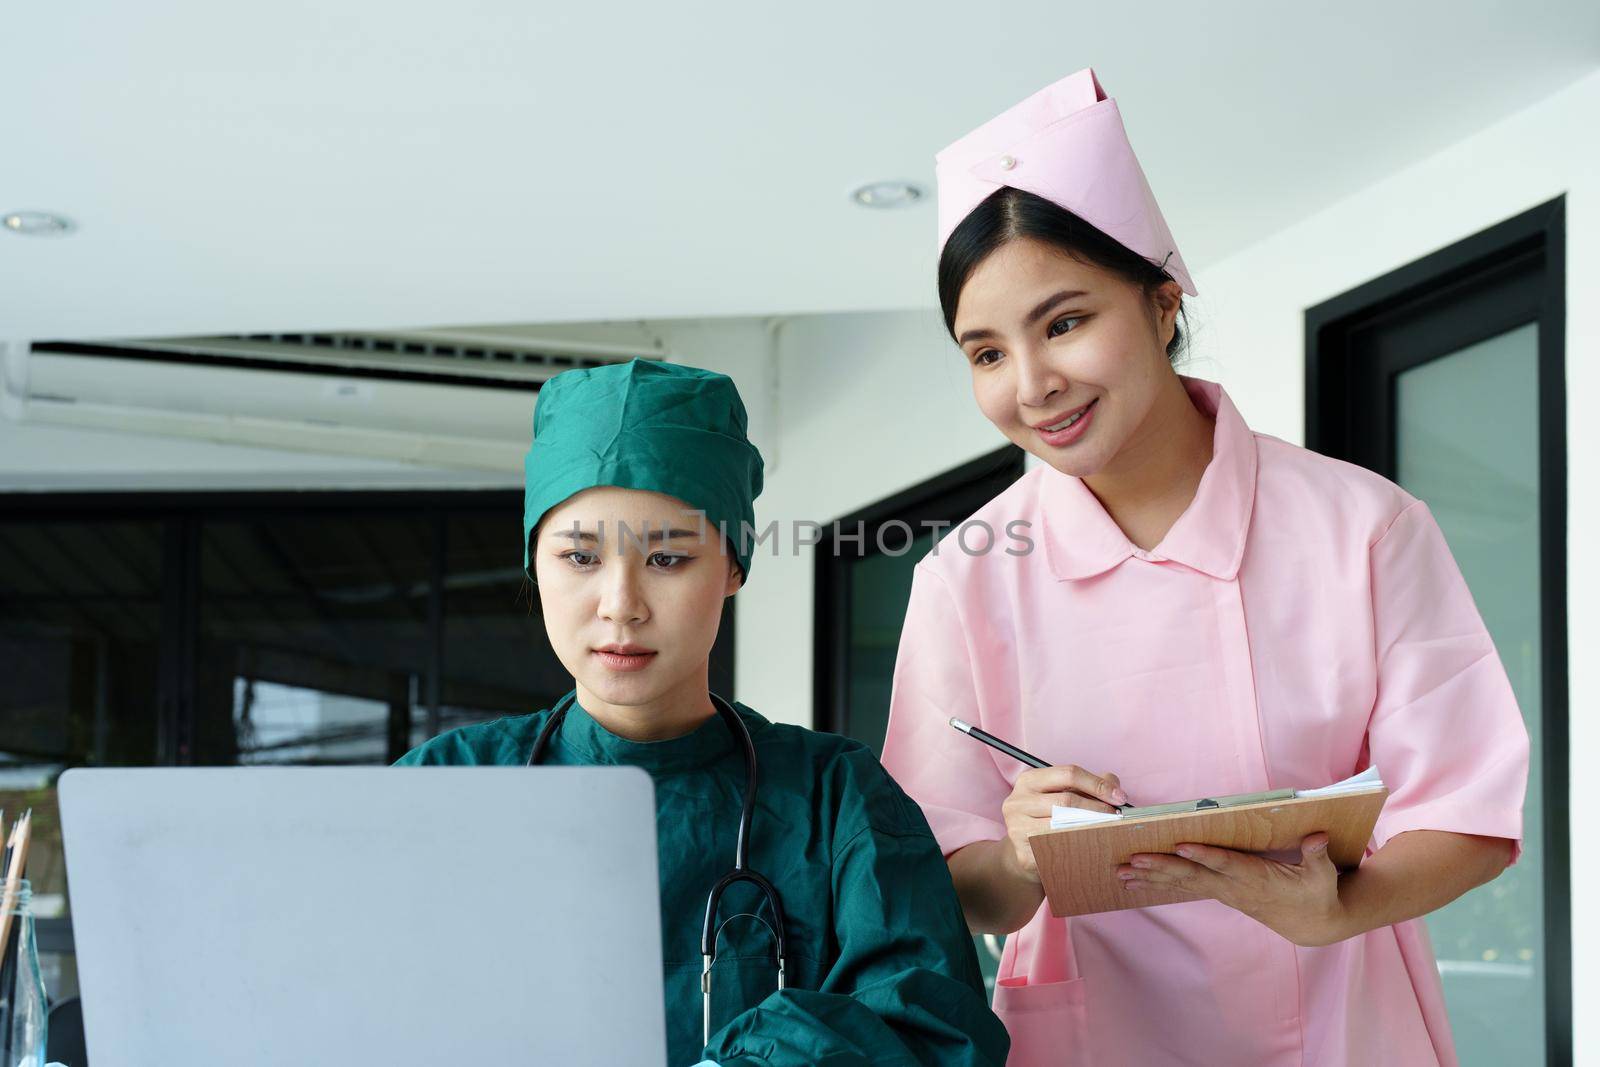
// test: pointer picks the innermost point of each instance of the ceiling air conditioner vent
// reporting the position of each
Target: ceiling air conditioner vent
(437, 348)
(434, 398)
(436, 357)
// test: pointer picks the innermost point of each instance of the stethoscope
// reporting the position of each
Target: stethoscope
(709, 932)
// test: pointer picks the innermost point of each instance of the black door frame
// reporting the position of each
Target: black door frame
(947, 499)
(1508, 275)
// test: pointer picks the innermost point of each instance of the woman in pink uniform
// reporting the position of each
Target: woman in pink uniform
(1195, 609)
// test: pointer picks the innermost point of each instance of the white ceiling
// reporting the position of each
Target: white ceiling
(367, 164)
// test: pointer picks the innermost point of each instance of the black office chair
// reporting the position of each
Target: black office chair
(65, 1043)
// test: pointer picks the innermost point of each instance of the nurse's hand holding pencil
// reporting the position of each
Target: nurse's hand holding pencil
(1027, 809)
(1036, 791)
(998, 880)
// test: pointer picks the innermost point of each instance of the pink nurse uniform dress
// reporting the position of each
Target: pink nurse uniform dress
(1302, 620)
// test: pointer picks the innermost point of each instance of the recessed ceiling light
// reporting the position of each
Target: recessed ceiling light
(37, 223)
(887, 194)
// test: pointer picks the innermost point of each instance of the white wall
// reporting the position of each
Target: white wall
(869, 404)
(874, 402)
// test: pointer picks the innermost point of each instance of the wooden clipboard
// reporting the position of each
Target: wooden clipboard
(1078, 864)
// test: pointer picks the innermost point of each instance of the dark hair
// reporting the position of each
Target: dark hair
(1009, 213)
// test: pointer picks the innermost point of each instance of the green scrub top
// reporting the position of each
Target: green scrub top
(881, 968)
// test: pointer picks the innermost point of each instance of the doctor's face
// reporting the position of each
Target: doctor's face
(1067, 359)
(631, 584)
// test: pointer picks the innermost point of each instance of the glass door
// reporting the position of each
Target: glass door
(1467, 443)
(1447, 377)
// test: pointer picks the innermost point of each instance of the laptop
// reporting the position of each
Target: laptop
(410, 917)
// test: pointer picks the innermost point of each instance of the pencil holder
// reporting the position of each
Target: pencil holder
(22, 997)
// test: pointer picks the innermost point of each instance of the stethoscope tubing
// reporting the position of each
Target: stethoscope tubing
(741, 871)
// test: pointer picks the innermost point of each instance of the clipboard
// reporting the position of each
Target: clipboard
(1078, 864)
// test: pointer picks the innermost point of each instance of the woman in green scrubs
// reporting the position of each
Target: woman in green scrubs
(639, 486)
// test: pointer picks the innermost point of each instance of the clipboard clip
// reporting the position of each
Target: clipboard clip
(1237, 800)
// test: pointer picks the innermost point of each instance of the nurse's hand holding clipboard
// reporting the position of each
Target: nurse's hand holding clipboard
(1308, 903)
(1301, 902)
(1298, 901)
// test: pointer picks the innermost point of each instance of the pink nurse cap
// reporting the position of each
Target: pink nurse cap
(1066, 144)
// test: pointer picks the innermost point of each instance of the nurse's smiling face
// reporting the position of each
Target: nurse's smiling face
(1068, 360)
(631, 584)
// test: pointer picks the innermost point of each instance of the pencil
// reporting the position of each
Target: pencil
(1008, 748)
(994, 742)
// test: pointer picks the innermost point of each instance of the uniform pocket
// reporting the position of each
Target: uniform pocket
(1047, 1021)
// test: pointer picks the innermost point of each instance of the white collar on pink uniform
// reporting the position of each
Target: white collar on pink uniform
(1081, 540)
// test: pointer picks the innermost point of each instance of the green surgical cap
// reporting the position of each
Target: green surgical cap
(644, 425)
